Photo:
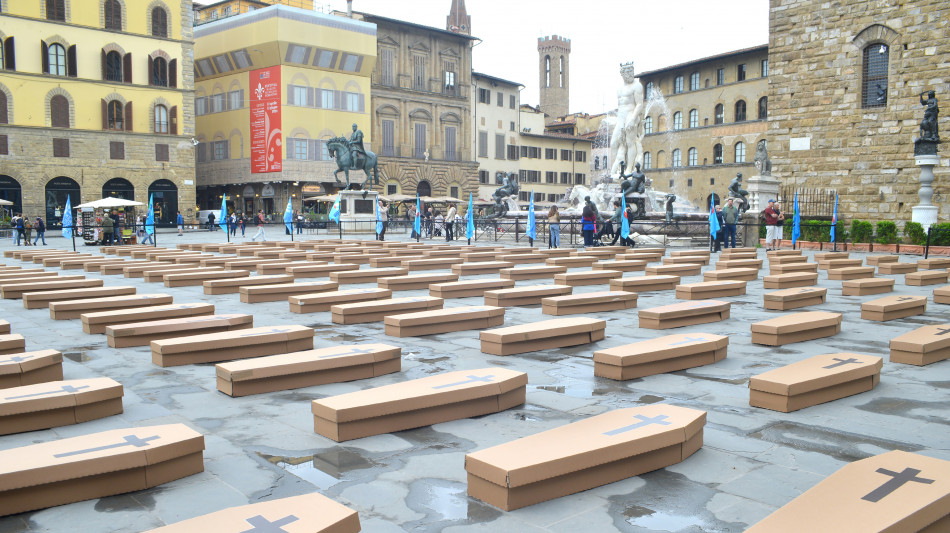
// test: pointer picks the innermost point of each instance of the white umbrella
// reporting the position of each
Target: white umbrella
(6, 202)
(106, 203)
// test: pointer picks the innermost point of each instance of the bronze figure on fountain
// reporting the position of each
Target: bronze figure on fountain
(509, 188)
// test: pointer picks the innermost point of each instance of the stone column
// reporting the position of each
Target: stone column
(926, 213)
(761, 188)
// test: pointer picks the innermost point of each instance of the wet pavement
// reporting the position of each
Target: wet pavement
(263, 447)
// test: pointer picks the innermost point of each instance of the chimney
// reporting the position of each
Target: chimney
(349, 8)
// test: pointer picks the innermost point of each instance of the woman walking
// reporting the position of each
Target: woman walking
(588, 227)
(554, 227)
(40, 231)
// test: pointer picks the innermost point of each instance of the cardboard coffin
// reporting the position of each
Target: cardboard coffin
(480, 267)
(660, 355)
(866, 286)
(731, 264)
(97, 322)
(114, 268)
(278, 266)
(377, 310)
(893, 307)
(942, 295)
(851, 273)
(818, 379)
(728, 254)
(92, 466)
(688, 253)
(12, 343)
(828, 256)
(590, 277)
(143, 333)
(386, 261)
(251, 294)
(710, 289)
(601, 253)
(688, 269)
(232, 286)
(58, 403)
(552, 252)
(16, 290)
(785, 268)
(916, 279)
(444, 320)
(468, 288)
(217, 261)
(481, 256)
(645, 283)
(139, 271)
(246, 264)
(922, 346)
(776, 253)
(366, 275)
(877, 260)
(837, 264)
(4, 327)
(231, 345)
(527, 295)
(524, 258)
(589, 453)
(431, 263)
(572, 261)
(535, 272)
(12, 275)
(786, 259)
(893, 492)
(535, 336)
(739, 274)
(193, 279)
(933, 263)
(70, 309)
(684, 314)
(627, 265)
(307, 513)
(896, 268)
(308, 368)
(323, 301)
(27, 368)
(796, 327)
(37, 300)
(786, 299)
(790, 280)
(683, 259)
(414, 281)
(419, 402)
(588, 302)
(641, 255)
(158, 276)
(55, 261)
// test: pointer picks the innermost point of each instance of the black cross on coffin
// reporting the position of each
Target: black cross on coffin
(942, 331)
(842, 362)
(263, 525)
(898, 479)
(130, 440)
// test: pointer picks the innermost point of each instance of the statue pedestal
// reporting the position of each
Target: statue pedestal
(761, 188)
(357, 211)
(926, 213)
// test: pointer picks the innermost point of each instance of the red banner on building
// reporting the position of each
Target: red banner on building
(266, 155)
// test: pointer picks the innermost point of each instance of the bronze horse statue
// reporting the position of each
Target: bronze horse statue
(339, 147)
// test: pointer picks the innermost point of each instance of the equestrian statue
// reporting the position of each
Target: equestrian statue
(351, 155)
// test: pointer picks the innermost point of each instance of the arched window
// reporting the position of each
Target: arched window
(160, 72)
(647, 160)
(424, 188)
(159, 22)
(693, 118)
(874, 76)
(161, 119)
(661, 159)
(719, 114)
(717, 154)
(4, 114)
(547, 71)
(113, 66)
(561, 73)
(740, 152)
(677, 121)
(59, 111)
(764, 108)
(677, 158)
(114, 114)
(740, 111)
(648, 125)
(112, 11)
(694, 81)
(692, 157)
(56, 10)
(650, 90)
(57, 60)
(677, 85)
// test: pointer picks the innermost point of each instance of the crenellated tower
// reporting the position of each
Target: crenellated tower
(554, 67)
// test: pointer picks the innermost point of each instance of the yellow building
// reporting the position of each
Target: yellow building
(551, 163)
(96, 100)
(308, 73)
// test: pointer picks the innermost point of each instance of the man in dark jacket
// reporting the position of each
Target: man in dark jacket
(40, 228)
(731, 216)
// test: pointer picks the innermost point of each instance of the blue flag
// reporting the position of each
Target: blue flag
(713, 219)
(624, 222)
(68, 219)
(288, 216)
(532, 230)
(417, 223)
(834, 219)
(470, 219)
(796, 222)
(335, 210)
(379, 219)
(150, 218)
(223, 215)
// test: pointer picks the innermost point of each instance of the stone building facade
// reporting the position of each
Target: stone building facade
(496, 121)
(550, 163)
(844, 98)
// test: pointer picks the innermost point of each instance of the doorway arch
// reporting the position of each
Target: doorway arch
(118, 188)
(424, 188)
(164, 194)
(10, 191)
(58, 190)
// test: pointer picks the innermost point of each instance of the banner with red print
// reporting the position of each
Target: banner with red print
(266, 154)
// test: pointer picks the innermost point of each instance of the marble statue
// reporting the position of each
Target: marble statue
(626, 139)
(762, 161)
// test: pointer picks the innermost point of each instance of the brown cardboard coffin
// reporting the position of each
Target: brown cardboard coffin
(193, 279)
(117, 268)
(70, 309)
(16, 290)
(366, 275)
(217, 260)
(828, 256)
(877, 260)
(480, 256)
(645, 283)
(942, 295)
(851, 273)
(730, 264)
(246, 264)
(27, 368)
(523, 258)
(620, 265)
(282, 291)
(660, 355)
(688, 269)
(12, 343)
(143, 333)
(468, 288)
(684, 259)
(93, 466)
(922, 346)
(896, 268)
(787, 259)
(37, 300)
(139, 271)
(431, 263)
(818, 379)
(232, 286)
(893, 307)
(866, 286)
(444, 320)
(306, 513)
(690, 253)
(684, 314)
(535, 336)
(480, 267)
(737, 274)
(796, 298)
(57, 260)
(323, 301)
(158, 276)
(527, 295)
(308, 368)
(96, 322)
(893, 492)
(552, 252)
(277, 266)
(419, 402)
(710, 289)
(601, 252)
(19, 273)
(231, 345)
(534, 272)
(96, 266)
(58, 403)
(796, 327)
(790, 280)
(934, 263)
(785, 268)
(728, 254)
(572, 261)
(837, 264)
(386, 261)
(588, 302)
(641, 255)
(414, 281)
(916, 279)
(377, 310)
(589, 277)
(4, 327)
(589, 453)
(776, 253)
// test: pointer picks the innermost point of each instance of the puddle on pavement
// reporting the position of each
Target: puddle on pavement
(524, 417)
(649, 398)
(78, 357)
(736, 381)
(432, 359)
(445, 501)
(334, 334)
(833, 443)
(669, 502)
(569, 391)
(322, 469)
(939, 384)
(903, 408)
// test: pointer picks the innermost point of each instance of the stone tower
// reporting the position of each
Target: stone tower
(459, 21)
(554, 60)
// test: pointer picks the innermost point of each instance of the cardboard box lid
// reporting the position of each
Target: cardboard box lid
(487, 264)
(816, 373)
(733, 272)
(791, 276)
(537, 269)
(712, 285)
(927, 274)
(66, 305)
(378, 306)
(410, 278)
(96, 292)
(12, 339)
(584, 444)
(588, 274)
(278, 288)
(372, 272)
(430, 391)
(97, 453)
(647, 280)
(178, 324)
(474, 284)
(921, 340)
(250, 280)
(330, 296)
(660, 348)
(231, 339)
(590, 298)
(57, 394)
(297, 514)
(451, 314)
(793, 322)
(796, 293)
(895, 492)
(306, 361)
(530, 290)
(894, 302)
(691, 308)
(18, 363)
(542, 329)
(146, 313)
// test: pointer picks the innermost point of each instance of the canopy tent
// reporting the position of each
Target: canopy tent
(108, 203)
(6, 202)
(321, 198)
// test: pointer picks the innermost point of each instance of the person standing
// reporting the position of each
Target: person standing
(260, 227)
(721, 232)
(588, 225)
(450, 223)
(612, 226)
(554, 227)
(146, 236)
(243, 223)
(771, 214)
(108, 225)
(18, 224)
(40, 231)
(211, 221)
(730, 215)
(28, 230)
(180, 221)
(412, 214)
(384, 218)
